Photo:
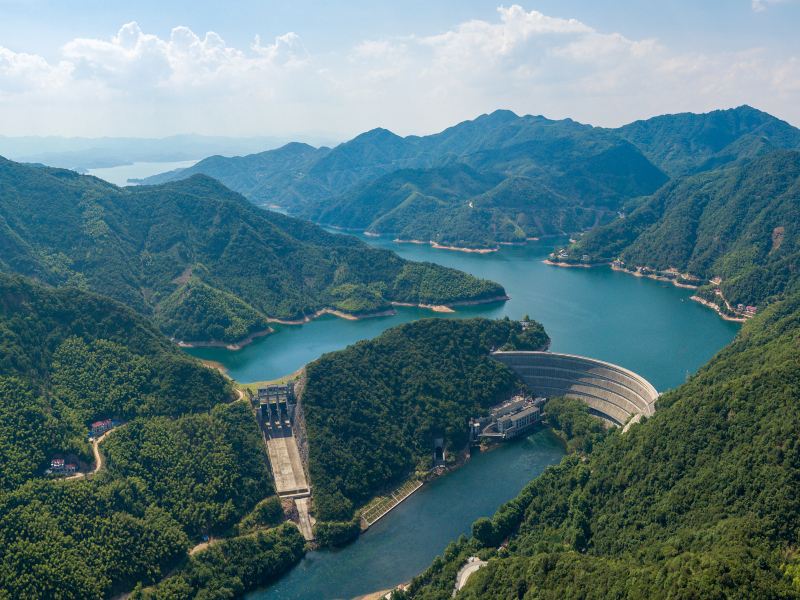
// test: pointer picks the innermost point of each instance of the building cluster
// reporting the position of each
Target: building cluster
(748, 311)
(59, 467)
(508, 420)
(100, 427)
(276, 406)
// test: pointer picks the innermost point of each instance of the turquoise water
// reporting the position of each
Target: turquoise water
(404, 543)
(648, 326)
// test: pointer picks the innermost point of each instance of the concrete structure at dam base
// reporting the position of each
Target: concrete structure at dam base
(611, 392)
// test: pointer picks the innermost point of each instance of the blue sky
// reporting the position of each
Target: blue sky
(333, 68)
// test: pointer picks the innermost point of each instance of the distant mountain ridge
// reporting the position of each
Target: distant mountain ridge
(567, 176)
(197, 257)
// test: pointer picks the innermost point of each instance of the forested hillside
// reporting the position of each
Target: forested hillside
(183, 464)
(68, 358)
(687, 143)
(201, 260)
(738, 223)
(374, 409)
(700, 501)
(497, 178)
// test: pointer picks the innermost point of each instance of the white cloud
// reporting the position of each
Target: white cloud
(762, 5)
(138, 83)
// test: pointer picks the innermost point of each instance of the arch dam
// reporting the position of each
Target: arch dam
(613, 393)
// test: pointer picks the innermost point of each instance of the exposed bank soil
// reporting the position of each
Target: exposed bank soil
(636, 273)
(717, 310)
(674, 281)
(552, 263)
(438, 246)
(227, 345)
(234, 346)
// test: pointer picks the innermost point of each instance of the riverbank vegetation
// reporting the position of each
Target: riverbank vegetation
(696, 501)
(232, 567)
(571, 421)
(374, 409)
(201, 261)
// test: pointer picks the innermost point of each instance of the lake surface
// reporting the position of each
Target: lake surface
(404, 543)
(119, 175)
(648, 326)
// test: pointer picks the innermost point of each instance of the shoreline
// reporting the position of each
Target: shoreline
(236, 346)
(552, 263)
(674, 282)
(717, 310)
(227, 345)
(438, 246)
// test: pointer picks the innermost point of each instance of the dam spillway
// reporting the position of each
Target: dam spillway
(613, 393)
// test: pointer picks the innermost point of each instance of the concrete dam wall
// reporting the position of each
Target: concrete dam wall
(611, 392)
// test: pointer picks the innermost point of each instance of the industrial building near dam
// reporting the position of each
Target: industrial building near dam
(612, 392)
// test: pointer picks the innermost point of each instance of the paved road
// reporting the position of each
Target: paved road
(473, 564)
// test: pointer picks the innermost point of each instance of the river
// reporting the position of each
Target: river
(648, 326)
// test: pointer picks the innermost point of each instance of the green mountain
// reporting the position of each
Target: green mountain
(699, 501)
(379, 181)
(453, 187)
(738, 223)
(200, 259)
(69, 358)
(394, 395)
(688, 143)
(185, 462)
(261, 177)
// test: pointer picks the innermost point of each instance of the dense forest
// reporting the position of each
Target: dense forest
(737, 223)
(698, 501)
(185, 462)
(200, 260)
(497, 178)
(68, 358)
(374, 409)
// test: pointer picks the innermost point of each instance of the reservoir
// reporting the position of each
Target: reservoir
(648, 326)
(120, 174)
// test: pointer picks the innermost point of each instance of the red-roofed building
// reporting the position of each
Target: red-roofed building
(70, 468)
(100, 427)
(57, 465)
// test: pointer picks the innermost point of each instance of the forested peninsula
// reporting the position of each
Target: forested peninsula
(373, 410)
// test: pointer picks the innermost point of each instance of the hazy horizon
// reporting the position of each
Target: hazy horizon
(308, 71)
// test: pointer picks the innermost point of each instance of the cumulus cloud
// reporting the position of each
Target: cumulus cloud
(136, 82)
